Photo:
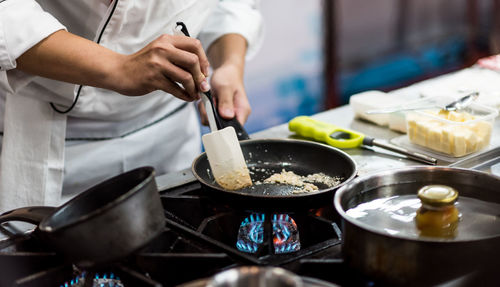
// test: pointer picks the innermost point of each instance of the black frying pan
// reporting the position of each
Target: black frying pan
(104, 223)
(267, 156)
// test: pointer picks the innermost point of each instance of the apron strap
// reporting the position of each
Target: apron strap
(32, 159)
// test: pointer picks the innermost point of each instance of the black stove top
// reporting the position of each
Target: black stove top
(203, 236)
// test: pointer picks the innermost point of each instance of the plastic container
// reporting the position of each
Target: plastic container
(454, 134)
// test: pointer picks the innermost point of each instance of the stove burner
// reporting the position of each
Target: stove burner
(251, 233)
(285, 234)
(94, 280)
(284, 230)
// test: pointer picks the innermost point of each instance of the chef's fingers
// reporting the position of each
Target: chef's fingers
(194, 46)
(191, 63)
(203, 113)
(183, 77)
(225, 105)
(172, 88)
(187, 62)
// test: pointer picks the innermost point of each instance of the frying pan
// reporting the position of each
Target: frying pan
(104, 223)
(265, 157)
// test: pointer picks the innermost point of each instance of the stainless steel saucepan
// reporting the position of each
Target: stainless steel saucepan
(387, 254)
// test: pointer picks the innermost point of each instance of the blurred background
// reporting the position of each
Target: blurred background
(317, 53)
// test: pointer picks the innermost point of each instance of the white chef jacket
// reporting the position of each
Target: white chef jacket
(44, 151)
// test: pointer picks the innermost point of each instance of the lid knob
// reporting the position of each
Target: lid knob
(437, 195)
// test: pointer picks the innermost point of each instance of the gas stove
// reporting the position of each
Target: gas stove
(203, 236)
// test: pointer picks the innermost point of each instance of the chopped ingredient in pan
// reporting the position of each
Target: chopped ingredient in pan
(290, 178)
(235, 179)
(303, 183)
(324, 179)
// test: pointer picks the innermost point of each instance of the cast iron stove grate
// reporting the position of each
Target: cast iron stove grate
(167, 261)
(251, 236)
(201, 238)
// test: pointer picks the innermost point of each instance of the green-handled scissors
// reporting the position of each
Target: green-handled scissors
(345, 138)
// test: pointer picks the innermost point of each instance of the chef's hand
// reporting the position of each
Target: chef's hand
(229, 95)
(227, 56)
(160, 65)
(168, 60)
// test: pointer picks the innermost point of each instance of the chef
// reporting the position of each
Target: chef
(92, 88)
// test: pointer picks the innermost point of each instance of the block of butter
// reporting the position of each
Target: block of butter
(371, 100)
(377, 100)
(450, 132)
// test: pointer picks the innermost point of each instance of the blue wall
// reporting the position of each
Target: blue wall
(286, 96)
(401, 68)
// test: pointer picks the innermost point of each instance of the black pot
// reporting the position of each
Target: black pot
(105, 223)
(408, 261)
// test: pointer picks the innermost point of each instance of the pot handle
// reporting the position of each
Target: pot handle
(30, 214)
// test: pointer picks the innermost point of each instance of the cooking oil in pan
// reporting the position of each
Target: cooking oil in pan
(396, 215)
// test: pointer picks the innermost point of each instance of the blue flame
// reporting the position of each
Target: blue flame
(106, 280)
(251, 233)
(285, 234)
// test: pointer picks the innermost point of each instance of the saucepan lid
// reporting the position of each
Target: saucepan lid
(386, 203)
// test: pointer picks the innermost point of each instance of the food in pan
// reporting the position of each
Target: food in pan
(226, 159)
(453, 133)
(303, 184)
(235, 179)
(290, 178)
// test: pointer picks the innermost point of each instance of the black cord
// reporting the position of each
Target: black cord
(184, 29)
(72, 105)
(81, 86)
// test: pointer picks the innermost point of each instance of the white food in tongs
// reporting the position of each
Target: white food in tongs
(224, 153)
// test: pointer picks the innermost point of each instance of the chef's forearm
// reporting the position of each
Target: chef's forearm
(228, 49)
(67, 57)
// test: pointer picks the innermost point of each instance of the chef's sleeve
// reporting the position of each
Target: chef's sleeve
(23, 23)
(235, 17)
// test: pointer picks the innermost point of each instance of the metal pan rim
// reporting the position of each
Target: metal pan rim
(346, 156)
(344, 189)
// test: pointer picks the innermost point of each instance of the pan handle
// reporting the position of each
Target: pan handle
(221, 123)
(241, 133)
(30, 214)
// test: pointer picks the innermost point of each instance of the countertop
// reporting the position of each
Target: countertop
(368, 159)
